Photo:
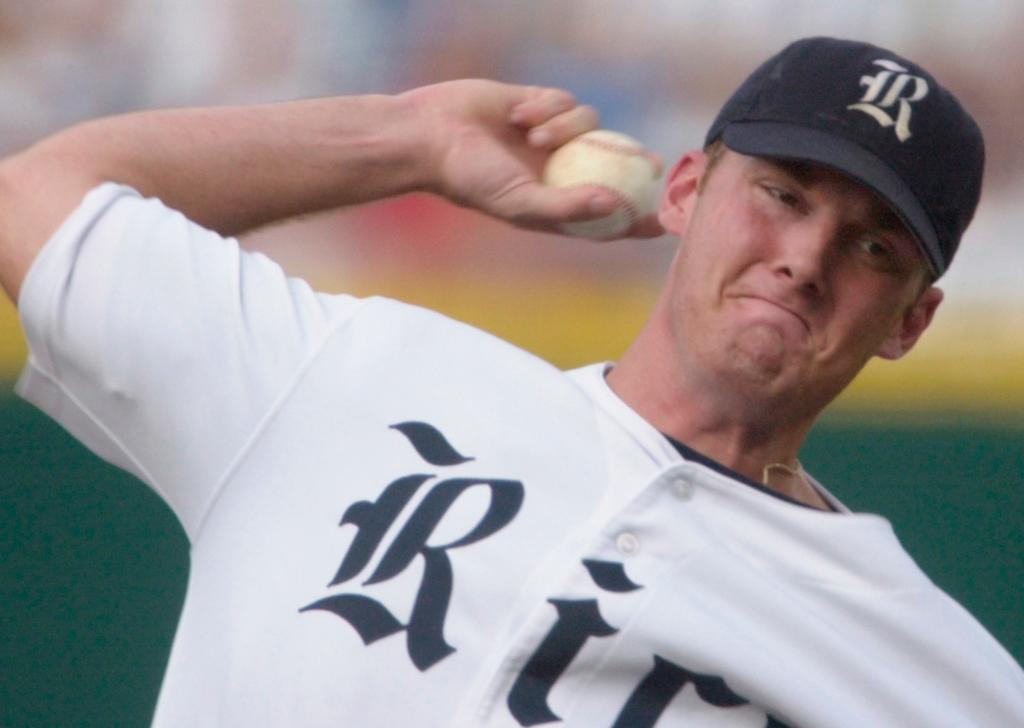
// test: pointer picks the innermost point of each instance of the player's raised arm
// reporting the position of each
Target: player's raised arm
(481, 144)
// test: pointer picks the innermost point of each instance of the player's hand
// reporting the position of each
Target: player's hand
(487, 143)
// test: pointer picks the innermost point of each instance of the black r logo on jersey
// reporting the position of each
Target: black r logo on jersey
(578, 621)
(372, 620)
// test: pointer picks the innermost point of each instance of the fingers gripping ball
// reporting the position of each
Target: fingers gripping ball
(616, 162)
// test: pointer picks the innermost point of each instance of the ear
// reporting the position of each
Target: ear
(680, 191)
(908, 329)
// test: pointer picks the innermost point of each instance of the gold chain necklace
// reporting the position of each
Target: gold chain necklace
(798, 471)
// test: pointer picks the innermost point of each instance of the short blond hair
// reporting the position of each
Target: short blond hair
(713, 152)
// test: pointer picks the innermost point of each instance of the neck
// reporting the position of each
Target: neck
(739, 430)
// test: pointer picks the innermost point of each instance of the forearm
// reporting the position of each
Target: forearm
(234, 168)
(229, 168)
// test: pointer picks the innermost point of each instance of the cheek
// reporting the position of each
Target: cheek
(865, 317)
(747, 236)
(725, 239)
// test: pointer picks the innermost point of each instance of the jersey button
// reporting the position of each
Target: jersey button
(627, 543)
(683, 488)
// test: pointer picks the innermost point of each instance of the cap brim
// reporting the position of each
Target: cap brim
(781, 140)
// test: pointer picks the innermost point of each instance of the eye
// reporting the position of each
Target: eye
(874, 248)
(781, 194)
(877, 253)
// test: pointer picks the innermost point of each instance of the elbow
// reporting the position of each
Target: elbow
(13, 263)
(38, 190)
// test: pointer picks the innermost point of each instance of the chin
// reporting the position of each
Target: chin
(760, 354)
(762, 368)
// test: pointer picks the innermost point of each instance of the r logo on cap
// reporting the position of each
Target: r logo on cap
(900, 82)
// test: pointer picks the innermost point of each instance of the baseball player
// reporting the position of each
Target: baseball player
(399, 520)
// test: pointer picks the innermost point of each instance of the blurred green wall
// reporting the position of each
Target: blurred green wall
(94, 566)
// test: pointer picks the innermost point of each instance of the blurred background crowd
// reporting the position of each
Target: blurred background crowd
(656, 69)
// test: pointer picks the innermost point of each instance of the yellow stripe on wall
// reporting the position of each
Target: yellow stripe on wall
(12, 343)
(971, 361)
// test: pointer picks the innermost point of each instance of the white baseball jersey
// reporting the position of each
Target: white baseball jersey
(398, 520)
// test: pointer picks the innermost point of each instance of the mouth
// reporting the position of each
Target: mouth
(782, 307)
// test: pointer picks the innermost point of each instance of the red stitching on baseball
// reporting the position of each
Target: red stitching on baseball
(624, 202)
(616, 148)
(611, 146)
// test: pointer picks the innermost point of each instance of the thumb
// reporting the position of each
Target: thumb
(648, 226)
(536, 206)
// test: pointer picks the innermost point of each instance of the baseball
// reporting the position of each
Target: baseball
(611, 160)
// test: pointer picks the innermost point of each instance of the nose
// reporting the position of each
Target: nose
(803, 253)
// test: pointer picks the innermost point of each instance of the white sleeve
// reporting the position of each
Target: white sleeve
(161, 345)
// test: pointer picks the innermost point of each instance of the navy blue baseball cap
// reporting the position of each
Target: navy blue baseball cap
(874, 116)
